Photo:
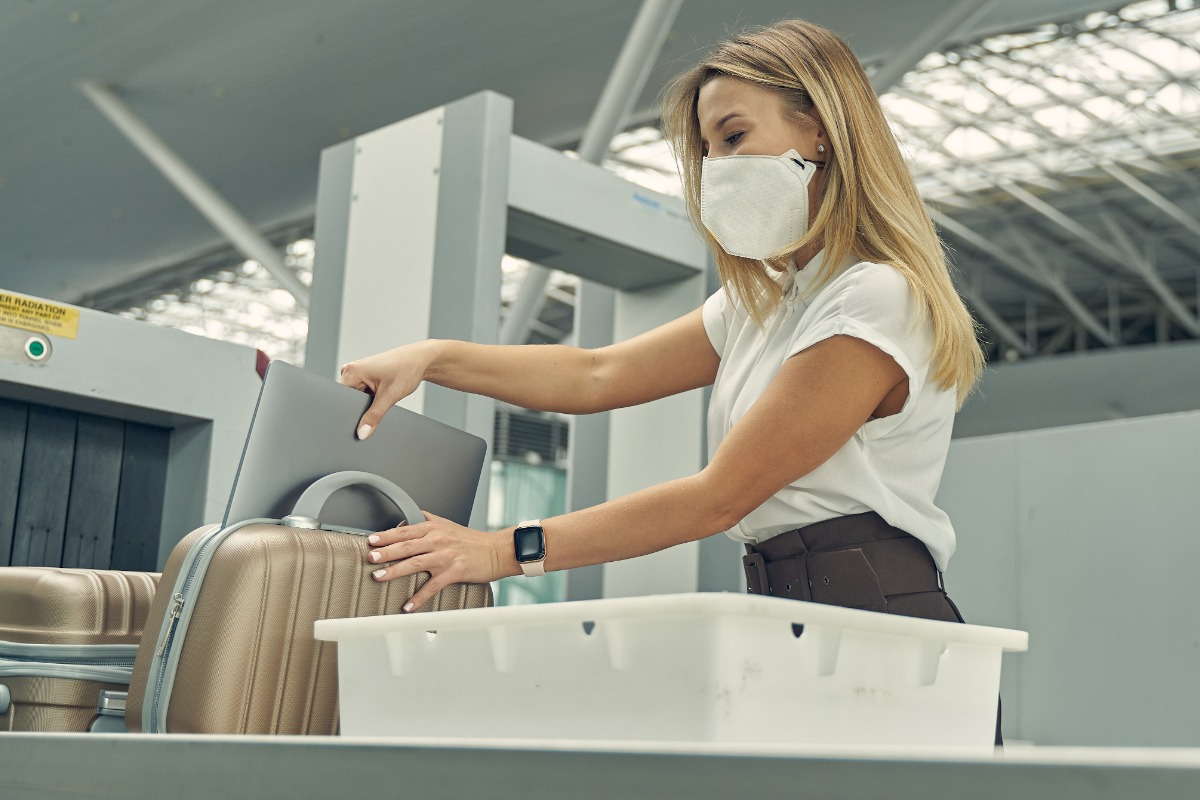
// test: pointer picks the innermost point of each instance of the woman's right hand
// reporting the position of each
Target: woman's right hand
(389, 377)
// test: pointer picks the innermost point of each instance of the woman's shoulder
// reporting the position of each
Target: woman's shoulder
(867, 286)
(874, 277)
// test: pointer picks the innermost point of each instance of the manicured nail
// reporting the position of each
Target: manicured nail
(408, 607)
(373, 538)
(374, 555)
(364, 431)
(379, 573)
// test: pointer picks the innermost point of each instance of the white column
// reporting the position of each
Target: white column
(656, 442)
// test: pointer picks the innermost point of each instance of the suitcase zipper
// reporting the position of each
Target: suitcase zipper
(167, 638)
(176, 608)
(105, 673)
(163, 666)
(112, 663)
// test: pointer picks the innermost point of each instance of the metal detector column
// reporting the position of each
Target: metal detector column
(410, 234)
(412, 222)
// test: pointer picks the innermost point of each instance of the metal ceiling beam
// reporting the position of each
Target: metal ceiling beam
(997, 252)
(1031, 322)
(1041, 276)
(1150, 275)
(1086, 237)
(621, 92)
(1055, 342)
(1007, 65)
(1137, 326)
(549, 331)
(1184, 82)
(629, 75)
(1148, 160)
(1134, 262)
(1050, 281)
(1168, 75)
(1154, 198)
(943, 28)
(939, 145)
(959, 117)
(994, 321)
(1125, 255)
(557, 293)
(1068, 298)
(224, 217)
(1114, 309)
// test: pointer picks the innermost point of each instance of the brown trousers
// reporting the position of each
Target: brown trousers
(856, 561)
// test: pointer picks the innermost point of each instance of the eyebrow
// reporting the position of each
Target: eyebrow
(721, 122)
(727, 117)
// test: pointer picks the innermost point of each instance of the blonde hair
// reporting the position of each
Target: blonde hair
(871, 207)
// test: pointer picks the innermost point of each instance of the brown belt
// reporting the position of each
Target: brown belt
(856, 561)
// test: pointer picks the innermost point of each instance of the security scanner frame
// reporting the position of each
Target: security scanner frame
(453, 190)
(118, 440)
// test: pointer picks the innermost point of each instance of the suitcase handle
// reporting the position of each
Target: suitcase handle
(308, 508)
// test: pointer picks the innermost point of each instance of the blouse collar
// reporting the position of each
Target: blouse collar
(794, 282)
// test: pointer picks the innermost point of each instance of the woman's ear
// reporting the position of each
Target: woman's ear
(818, 122)
(822, 137)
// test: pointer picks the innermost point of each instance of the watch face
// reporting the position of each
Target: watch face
(530, 543)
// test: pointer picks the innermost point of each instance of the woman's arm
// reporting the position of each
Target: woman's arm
(820, 397)
(670, 359)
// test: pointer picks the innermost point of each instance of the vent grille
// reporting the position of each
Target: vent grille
(530, 437)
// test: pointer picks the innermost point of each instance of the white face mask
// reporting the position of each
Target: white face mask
(756, 206)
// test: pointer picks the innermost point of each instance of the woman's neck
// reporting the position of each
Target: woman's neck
(806, 254)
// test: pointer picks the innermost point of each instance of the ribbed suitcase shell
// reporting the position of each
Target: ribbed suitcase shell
(59, 606)
(249, 662)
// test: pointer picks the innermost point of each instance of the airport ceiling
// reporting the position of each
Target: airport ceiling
(248, 94)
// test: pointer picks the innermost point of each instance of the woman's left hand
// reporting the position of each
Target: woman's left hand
(449, 552)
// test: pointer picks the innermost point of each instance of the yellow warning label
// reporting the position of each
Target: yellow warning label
(39, 316)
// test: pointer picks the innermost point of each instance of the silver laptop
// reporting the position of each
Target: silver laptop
(303, 429)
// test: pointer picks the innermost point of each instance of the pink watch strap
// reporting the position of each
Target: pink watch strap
(532, 569)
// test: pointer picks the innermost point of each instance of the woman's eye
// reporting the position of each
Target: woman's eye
(733, 138)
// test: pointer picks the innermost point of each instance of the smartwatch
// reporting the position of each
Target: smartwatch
(529, 543)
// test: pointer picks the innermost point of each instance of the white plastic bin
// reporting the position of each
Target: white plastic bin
(687, 667)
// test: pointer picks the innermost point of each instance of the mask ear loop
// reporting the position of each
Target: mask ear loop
(800, 162)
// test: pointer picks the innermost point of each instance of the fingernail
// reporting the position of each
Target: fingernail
(379, 573)
(408, 607)
(374, 555)
(364, 431)
(373, 538)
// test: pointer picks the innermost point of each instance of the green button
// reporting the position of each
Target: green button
(37, 349)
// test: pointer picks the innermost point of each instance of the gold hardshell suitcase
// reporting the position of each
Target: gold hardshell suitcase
(229, 647)
(66, 635)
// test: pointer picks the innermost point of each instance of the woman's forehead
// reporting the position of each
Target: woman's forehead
(726, 95)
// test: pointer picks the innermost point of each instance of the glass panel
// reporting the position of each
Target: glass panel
(521, 492)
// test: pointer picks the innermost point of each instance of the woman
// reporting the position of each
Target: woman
(837, 349)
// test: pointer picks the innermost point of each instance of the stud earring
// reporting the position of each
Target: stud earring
(821, 149)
